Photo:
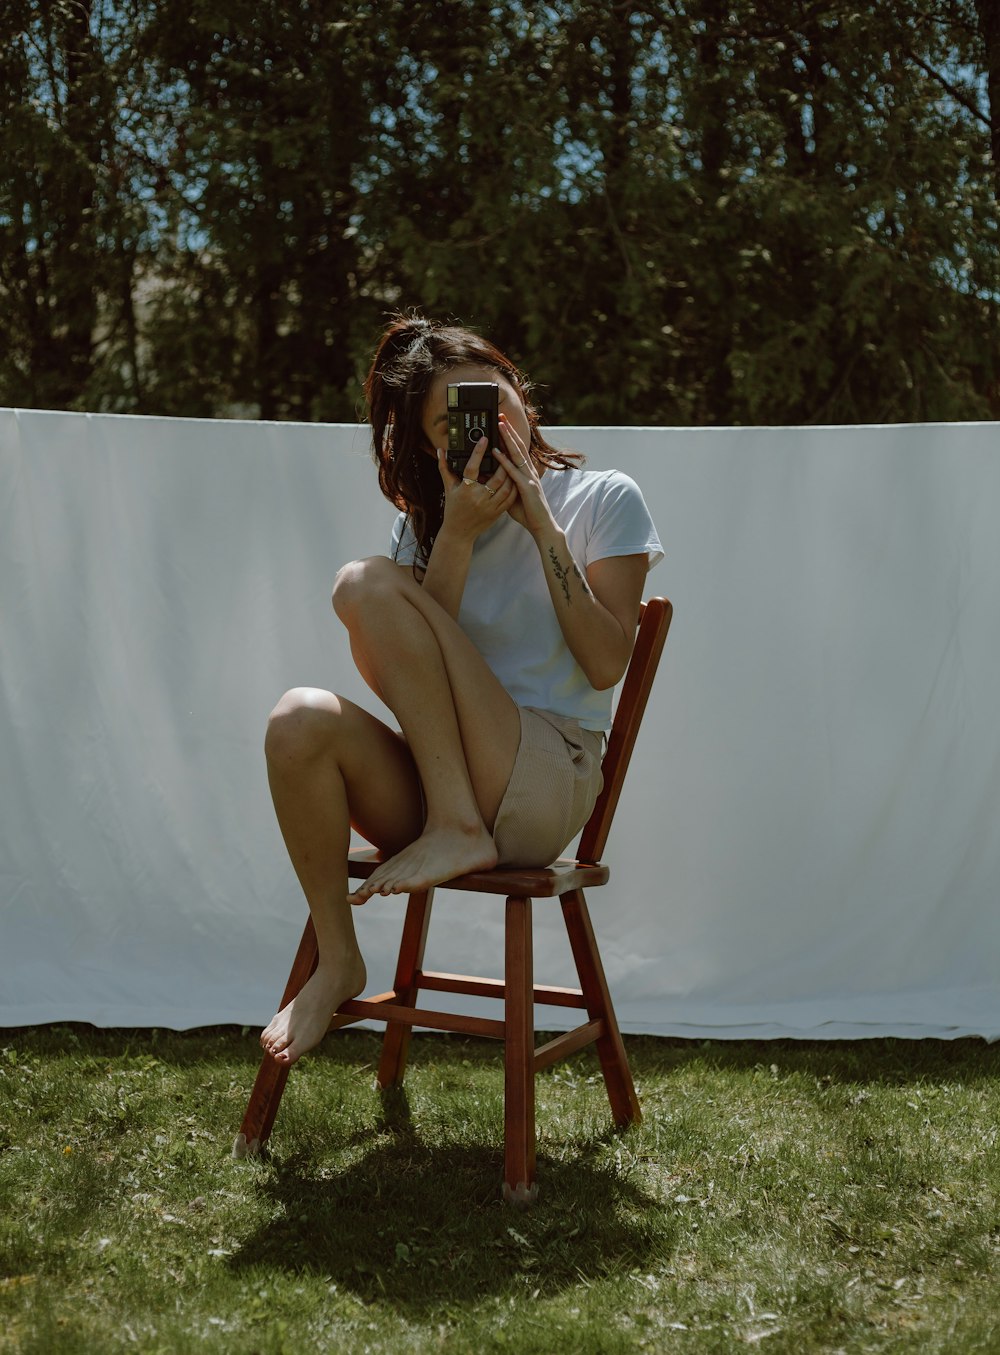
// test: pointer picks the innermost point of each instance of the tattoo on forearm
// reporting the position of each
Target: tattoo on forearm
(583, 582)
(560, 573)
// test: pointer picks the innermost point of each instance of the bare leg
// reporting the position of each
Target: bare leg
(460, 725)
(323, 752)
(331, 764)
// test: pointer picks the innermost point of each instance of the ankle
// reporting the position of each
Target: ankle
(333, 961)
(467, 825)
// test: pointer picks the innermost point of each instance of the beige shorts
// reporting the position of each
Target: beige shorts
(552, 789)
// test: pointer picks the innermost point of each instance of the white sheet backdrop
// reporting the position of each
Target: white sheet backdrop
(808, 843)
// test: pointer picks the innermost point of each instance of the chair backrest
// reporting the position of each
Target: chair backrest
(654, 622)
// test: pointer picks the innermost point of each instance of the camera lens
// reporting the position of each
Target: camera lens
(475, 433)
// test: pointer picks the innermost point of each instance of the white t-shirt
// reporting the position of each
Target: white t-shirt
(506, 609)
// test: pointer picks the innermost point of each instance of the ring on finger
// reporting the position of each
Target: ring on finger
(467, 481)
(489, 491)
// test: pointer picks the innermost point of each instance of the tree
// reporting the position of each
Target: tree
(56, 218)
(271, 143)
(675, 212)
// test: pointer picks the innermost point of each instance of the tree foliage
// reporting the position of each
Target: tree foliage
(684, 212)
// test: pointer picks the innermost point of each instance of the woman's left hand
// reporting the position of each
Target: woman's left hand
(530, 508)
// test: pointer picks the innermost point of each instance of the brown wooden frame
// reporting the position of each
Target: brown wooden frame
(565, 880)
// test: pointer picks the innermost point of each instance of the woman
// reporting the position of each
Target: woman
(495, 635)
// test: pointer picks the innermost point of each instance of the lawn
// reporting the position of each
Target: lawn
(782, 1196)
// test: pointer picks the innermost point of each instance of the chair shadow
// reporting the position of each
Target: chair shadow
(417, 1224)
(881, 1060)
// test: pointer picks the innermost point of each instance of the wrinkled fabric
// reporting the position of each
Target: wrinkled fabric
(806, 844)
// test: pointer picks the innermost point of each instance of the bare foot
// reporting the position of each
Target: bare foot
(301, 1025)
(438, 854)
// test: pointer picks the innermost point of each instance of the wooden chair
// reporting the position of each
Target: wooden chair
(566, 880)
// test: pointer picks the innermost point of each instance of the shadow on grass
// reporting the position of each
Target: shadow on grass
(229, 1045)
(420, 1226)
(881, 1059)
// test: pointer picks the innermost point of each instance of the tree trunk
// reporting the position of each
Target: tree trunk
(989, 27)
(714, 144)
(78, 255)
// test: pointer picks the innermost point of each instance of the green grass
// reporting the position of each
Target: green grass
(780, 1196)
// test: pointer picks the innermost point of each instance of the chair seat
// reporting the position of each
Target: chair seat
(528, 882)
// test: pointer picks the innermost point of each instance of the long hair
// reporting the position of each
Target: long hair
(410, 354)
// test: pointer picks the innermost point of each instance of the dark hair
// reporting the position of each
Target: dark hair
(410, 354)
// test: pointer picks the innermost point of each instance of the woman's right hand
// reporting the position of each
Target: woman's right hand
(472, 506)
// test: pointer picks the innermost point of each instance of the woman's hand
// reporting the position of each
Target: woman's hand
(472, 506)
(530, 507)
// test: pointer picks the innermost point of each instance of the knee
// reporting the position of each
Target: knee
(361, 582)
(302, 725)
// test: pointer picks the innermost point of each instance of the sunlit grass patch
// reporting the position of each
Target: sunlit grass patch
(787, 1196)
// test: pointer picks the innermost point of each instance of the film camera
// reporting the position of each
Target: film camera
(472, 413)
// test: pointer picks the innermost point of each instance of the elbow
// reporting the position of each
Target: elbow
(602, 683)
(606, 676)
(606, 670)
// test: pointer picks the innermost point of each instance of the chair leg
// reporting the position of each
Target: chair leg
(519, 1057)
(396, 1041)
(610, 1047)
(272, 1076)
